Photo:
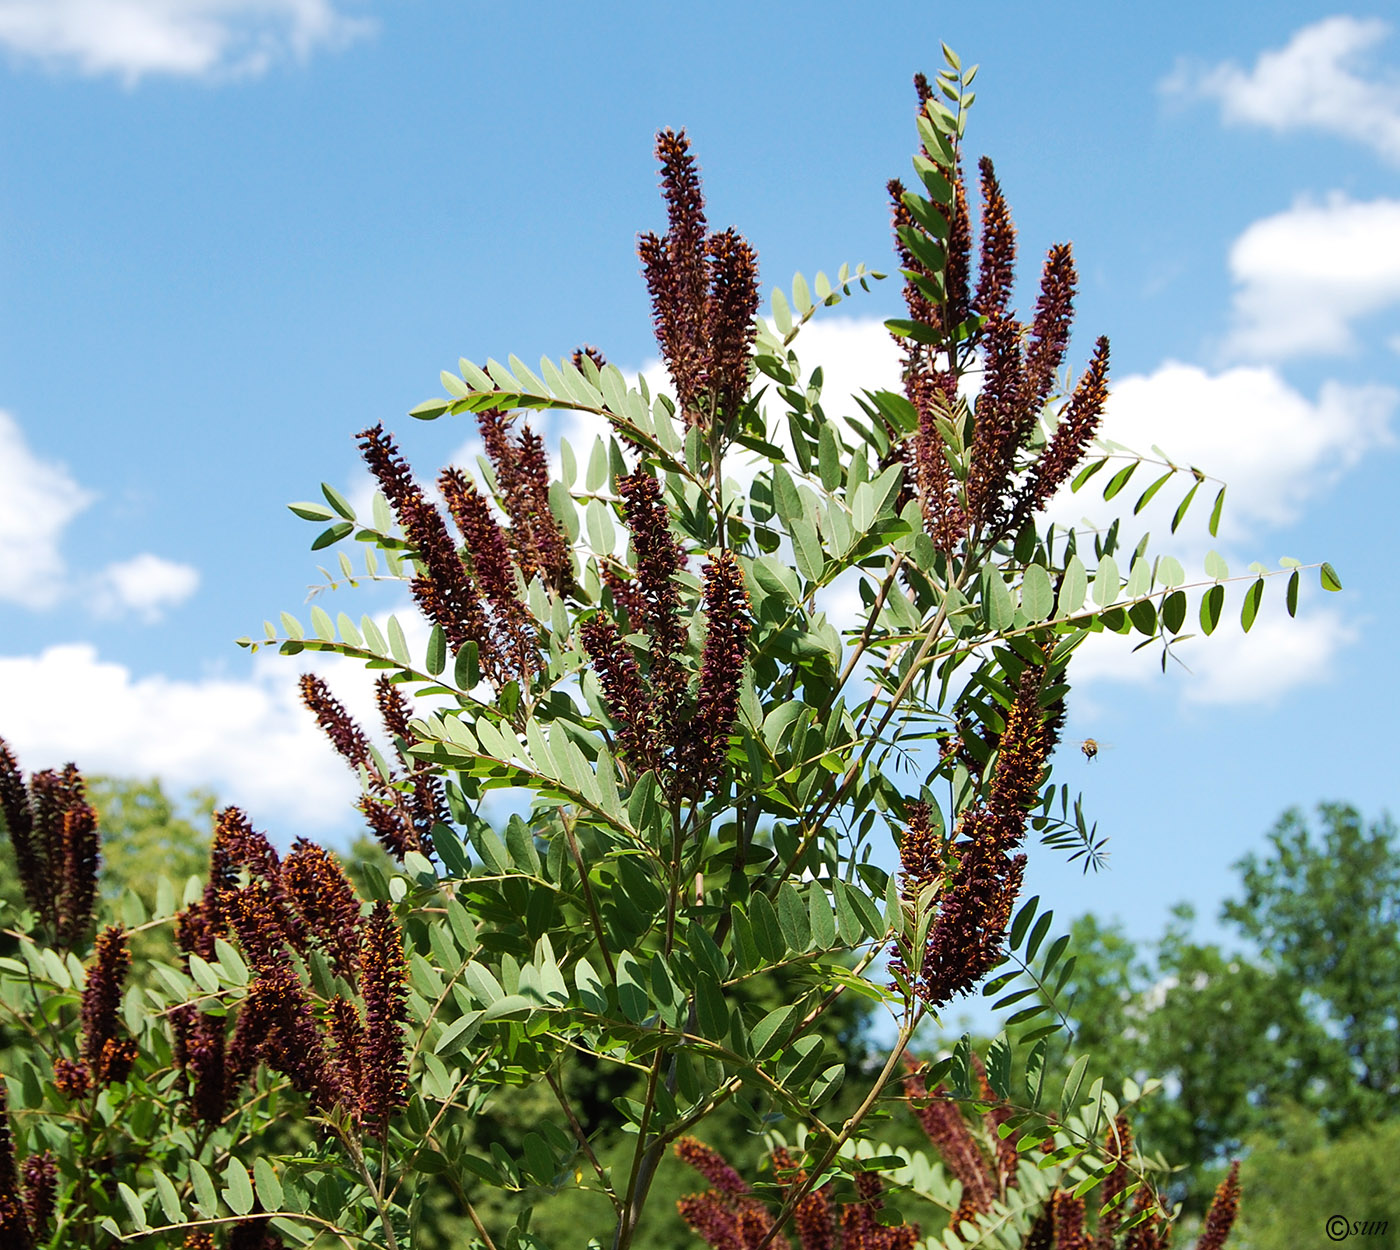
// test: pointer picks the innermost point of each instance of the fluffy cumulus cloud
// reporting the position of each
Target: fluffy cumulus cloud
(145, 585)
(1277, 449)
(1278, 655)
(1274, 446)
(38, 498)
(190, 38)
(1322, 79)
(1303, 277)
(245, 737)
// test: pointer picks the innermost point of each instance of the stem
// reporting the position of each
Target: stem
(643, 1165)
(582, 1138)
(353, 1147)
(598, 931)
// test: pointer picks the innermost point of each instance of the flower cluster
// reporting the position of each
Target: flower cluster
(729, 1217)
(108, 1057)
(589, 353)
(402, 821)
(1224, 1207)
(704, 294)
(26, 1209)
(521, 469)
(978, 892)
(275, 907)
(1005, 481)
(254, 1235)
(442, 588)
(327, 902)
(684, 739)
(53, 830)
(383, 1075)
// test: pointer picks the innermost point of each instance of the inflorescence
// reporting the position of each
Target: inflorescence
(704, 294)
(683, 739)
(1007, 478)
(281, 911)
(401, 808)
(974, 896)
(27, 1192)
(729, 1217)
(53, 829)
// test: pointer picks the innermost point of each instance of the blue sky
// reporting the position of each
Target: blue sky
(234, 232)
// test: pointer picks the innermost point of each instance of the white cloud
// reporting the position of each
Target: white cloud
(855, 354)
(1276, 449)
(185, 38)
(1303, 276)
(146, 585)
(38, 498)
(1229, 667)
(247, 738)
(1272, 445)
(1319, 81)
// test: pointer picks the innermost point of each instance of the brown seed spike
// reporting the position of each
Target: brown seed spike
(1118, 1146)
(102, 996)
(18, 817)
(659, 558)
(14, 1224)
(727, 626)
(628, 701)
(327, 902)
(959, 267)
(942, 1119)
(730, 327)
(40, 1190)
(492, 565)
(1224, 1207)
(1054, 315)
(1071, 439)
(292, 1042)
(78, 860)
(677, 272)
(997, 270)
(441, 588)
(712, 1166)
(1069, 1222)
(996, 428)
(588, 352)
(336, 723)
(966, 938)
(383, 986)
(920, 853)
(202, 1052)
(920, 308)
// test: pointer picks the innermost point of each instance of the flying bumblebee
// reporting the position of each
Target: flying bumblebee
(1092, 746)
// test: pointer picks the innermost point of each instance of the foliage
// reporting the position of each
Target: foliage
(704, 761)
(1300, 1185)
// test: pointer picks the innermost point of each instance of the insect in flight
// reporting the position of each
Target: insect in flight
(1092, 746)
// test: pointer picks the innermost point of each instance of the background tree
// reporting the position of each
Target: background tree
(1288, 1037)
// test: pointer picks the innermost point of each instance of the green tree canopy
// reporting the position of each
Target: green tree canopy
(1298, 1021)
